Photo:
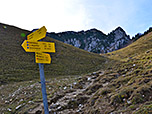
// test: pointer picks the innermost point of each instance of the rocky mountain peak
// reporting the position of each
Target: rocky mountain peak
(119, 28)
(94, 40)
(120, 33)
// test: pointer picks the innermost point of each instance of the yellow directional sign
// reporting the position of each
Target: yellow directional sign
(31, 46)
(37, 35)
(42, 58)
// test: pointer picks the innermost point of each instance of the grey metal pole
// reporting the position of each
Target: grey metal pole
(43, 86)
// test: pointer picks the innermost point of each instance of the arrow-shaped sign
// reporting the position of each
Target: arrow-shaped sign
(37, 35)
(31, 46)
(42, 58)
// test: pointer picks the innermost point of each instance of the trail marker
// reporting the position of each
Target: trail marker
(37, 35)
(33, 45)
(42, 57)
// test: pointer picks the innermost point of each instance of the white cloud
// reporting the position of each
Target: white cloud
(65, 15)
(56, 15)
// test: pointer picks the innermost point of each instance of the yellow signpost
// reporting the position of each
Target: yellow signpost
(42, 58)
(37, 35)
(31, 46)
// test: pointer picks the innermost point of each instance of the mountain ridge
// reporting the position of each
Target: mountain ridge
(94, 40)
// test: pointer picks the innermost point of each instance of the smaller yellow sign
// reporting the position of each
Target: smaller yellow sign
(37, 35)
(31, 46)
(42, 58)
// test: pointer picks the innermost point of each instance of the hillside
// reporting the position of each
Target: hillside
(17, 65)
(120, 82)
(125, 87)
(137, 48)
(94, 40)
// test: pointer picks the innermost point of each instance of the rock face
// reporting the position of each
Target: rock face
(94, 40)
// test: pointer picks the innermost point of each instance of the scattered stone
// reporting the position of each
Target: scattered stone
(129, 102)
(11, 100)
(19, 106)
(32, 86)
(6, 102)
(94, 77)
(137, 108)
(30, 110)
(100, 74)
(105, 84)
(54, 105)
(59, 108)
(124, 99)
(94, 73)
(78, 110)
(21, 100)
(134, 64)
(13, 95)
(124, 75)
(80, 105)
(70, 85)
(9, 109)
(65, 88)
(57, 103)
(89, 78)
(30, 102)
(130, 72)
(132, 69)
(75, 83)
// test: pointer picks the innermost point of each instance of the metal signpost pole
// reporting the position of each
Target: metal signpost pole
(44, 94)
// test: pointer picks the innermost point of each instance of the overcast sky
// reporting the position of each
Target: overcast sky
(75, 15)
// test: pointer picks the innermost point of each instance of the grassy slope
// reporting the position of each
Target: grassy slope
(124, 87)
(129, 79)
(17, 65)
(140, 46)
